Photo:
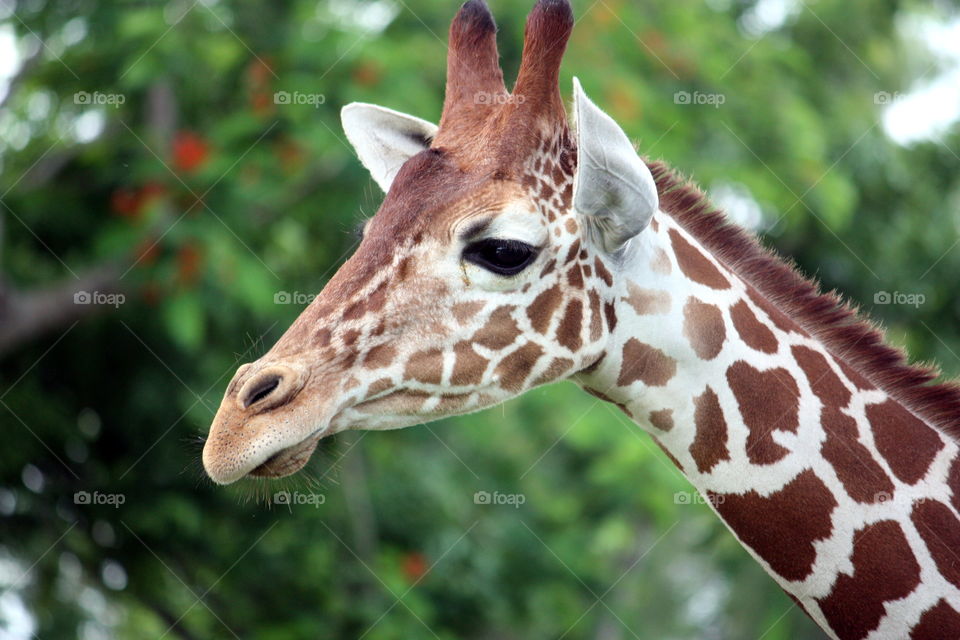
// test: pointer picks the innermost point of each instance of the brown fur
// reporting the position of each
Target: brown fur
(474, 78)
(490, 129)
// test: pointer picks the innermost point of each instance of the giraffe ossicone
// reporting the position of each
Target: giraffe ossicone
(512, 250)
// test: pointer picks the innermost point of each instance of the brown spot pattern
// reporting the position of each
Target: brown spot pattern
(379, 386)
(768, 400)
(403, 269)
(548, 268)
(379, 356)
(371, 303)
(468, 366)
(953, 481)
(703, 328)
(884, 569)
(662, 419)
(863, 478)
(575, 277)
(610, 313)
(695, 264)
(824, 382)
(645, 363)
(753, 332)
(647, 301)
(541, 309)
(425, 366)
(940, 530)
(355, 310)
(516, 366)
(938, 622)
(782, 527)
(907, 444)
(596, 317)
(710, 442)
(464, 311)
(322, 338)
(568, 331)
(450, 403)
(500, 330)
(602, 272)
(777, 317)
(554, 371)
(854, 377)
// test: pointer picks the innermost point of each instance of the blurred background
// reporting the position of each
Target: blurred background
(175, 185)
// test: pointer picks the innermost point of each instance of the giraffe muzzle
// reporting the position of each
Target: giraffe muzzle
(263, 427)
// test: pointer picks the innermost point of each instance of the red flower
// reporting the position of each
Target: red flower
(125, 202)
(190, 151)
(414, 566)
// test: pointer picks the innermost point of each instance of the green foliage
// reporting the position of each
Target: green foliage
(215, 202)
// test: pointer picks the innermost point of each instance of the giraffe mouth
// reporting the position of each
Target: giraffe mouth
(287, 461)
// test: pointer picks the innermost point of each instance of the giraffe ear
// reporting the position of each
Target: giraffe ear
(613, 189)
(384, 139)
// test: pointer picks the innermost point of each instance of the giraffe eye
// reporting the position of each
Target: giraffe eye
(504, 257)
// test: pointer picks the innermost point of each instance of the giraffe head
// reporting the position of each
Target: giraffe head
(487, 270)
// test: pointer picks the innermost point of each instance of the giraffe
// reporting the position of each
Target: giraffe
(513, 250)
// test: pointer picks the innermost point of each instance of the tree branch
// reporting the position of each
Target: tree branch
(26, 315)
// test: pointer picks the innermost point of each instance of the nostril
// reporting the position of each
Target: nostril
(261, 389)
(269, 387)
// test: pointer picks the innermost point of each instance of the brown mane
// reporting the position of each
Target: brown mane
(850, 337)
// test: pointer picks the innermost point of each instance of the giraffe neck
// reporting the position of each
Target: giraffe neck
(845, 497)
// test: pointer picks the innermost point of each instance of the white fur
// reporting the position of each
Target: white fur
(385, 139)
(613, 188)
